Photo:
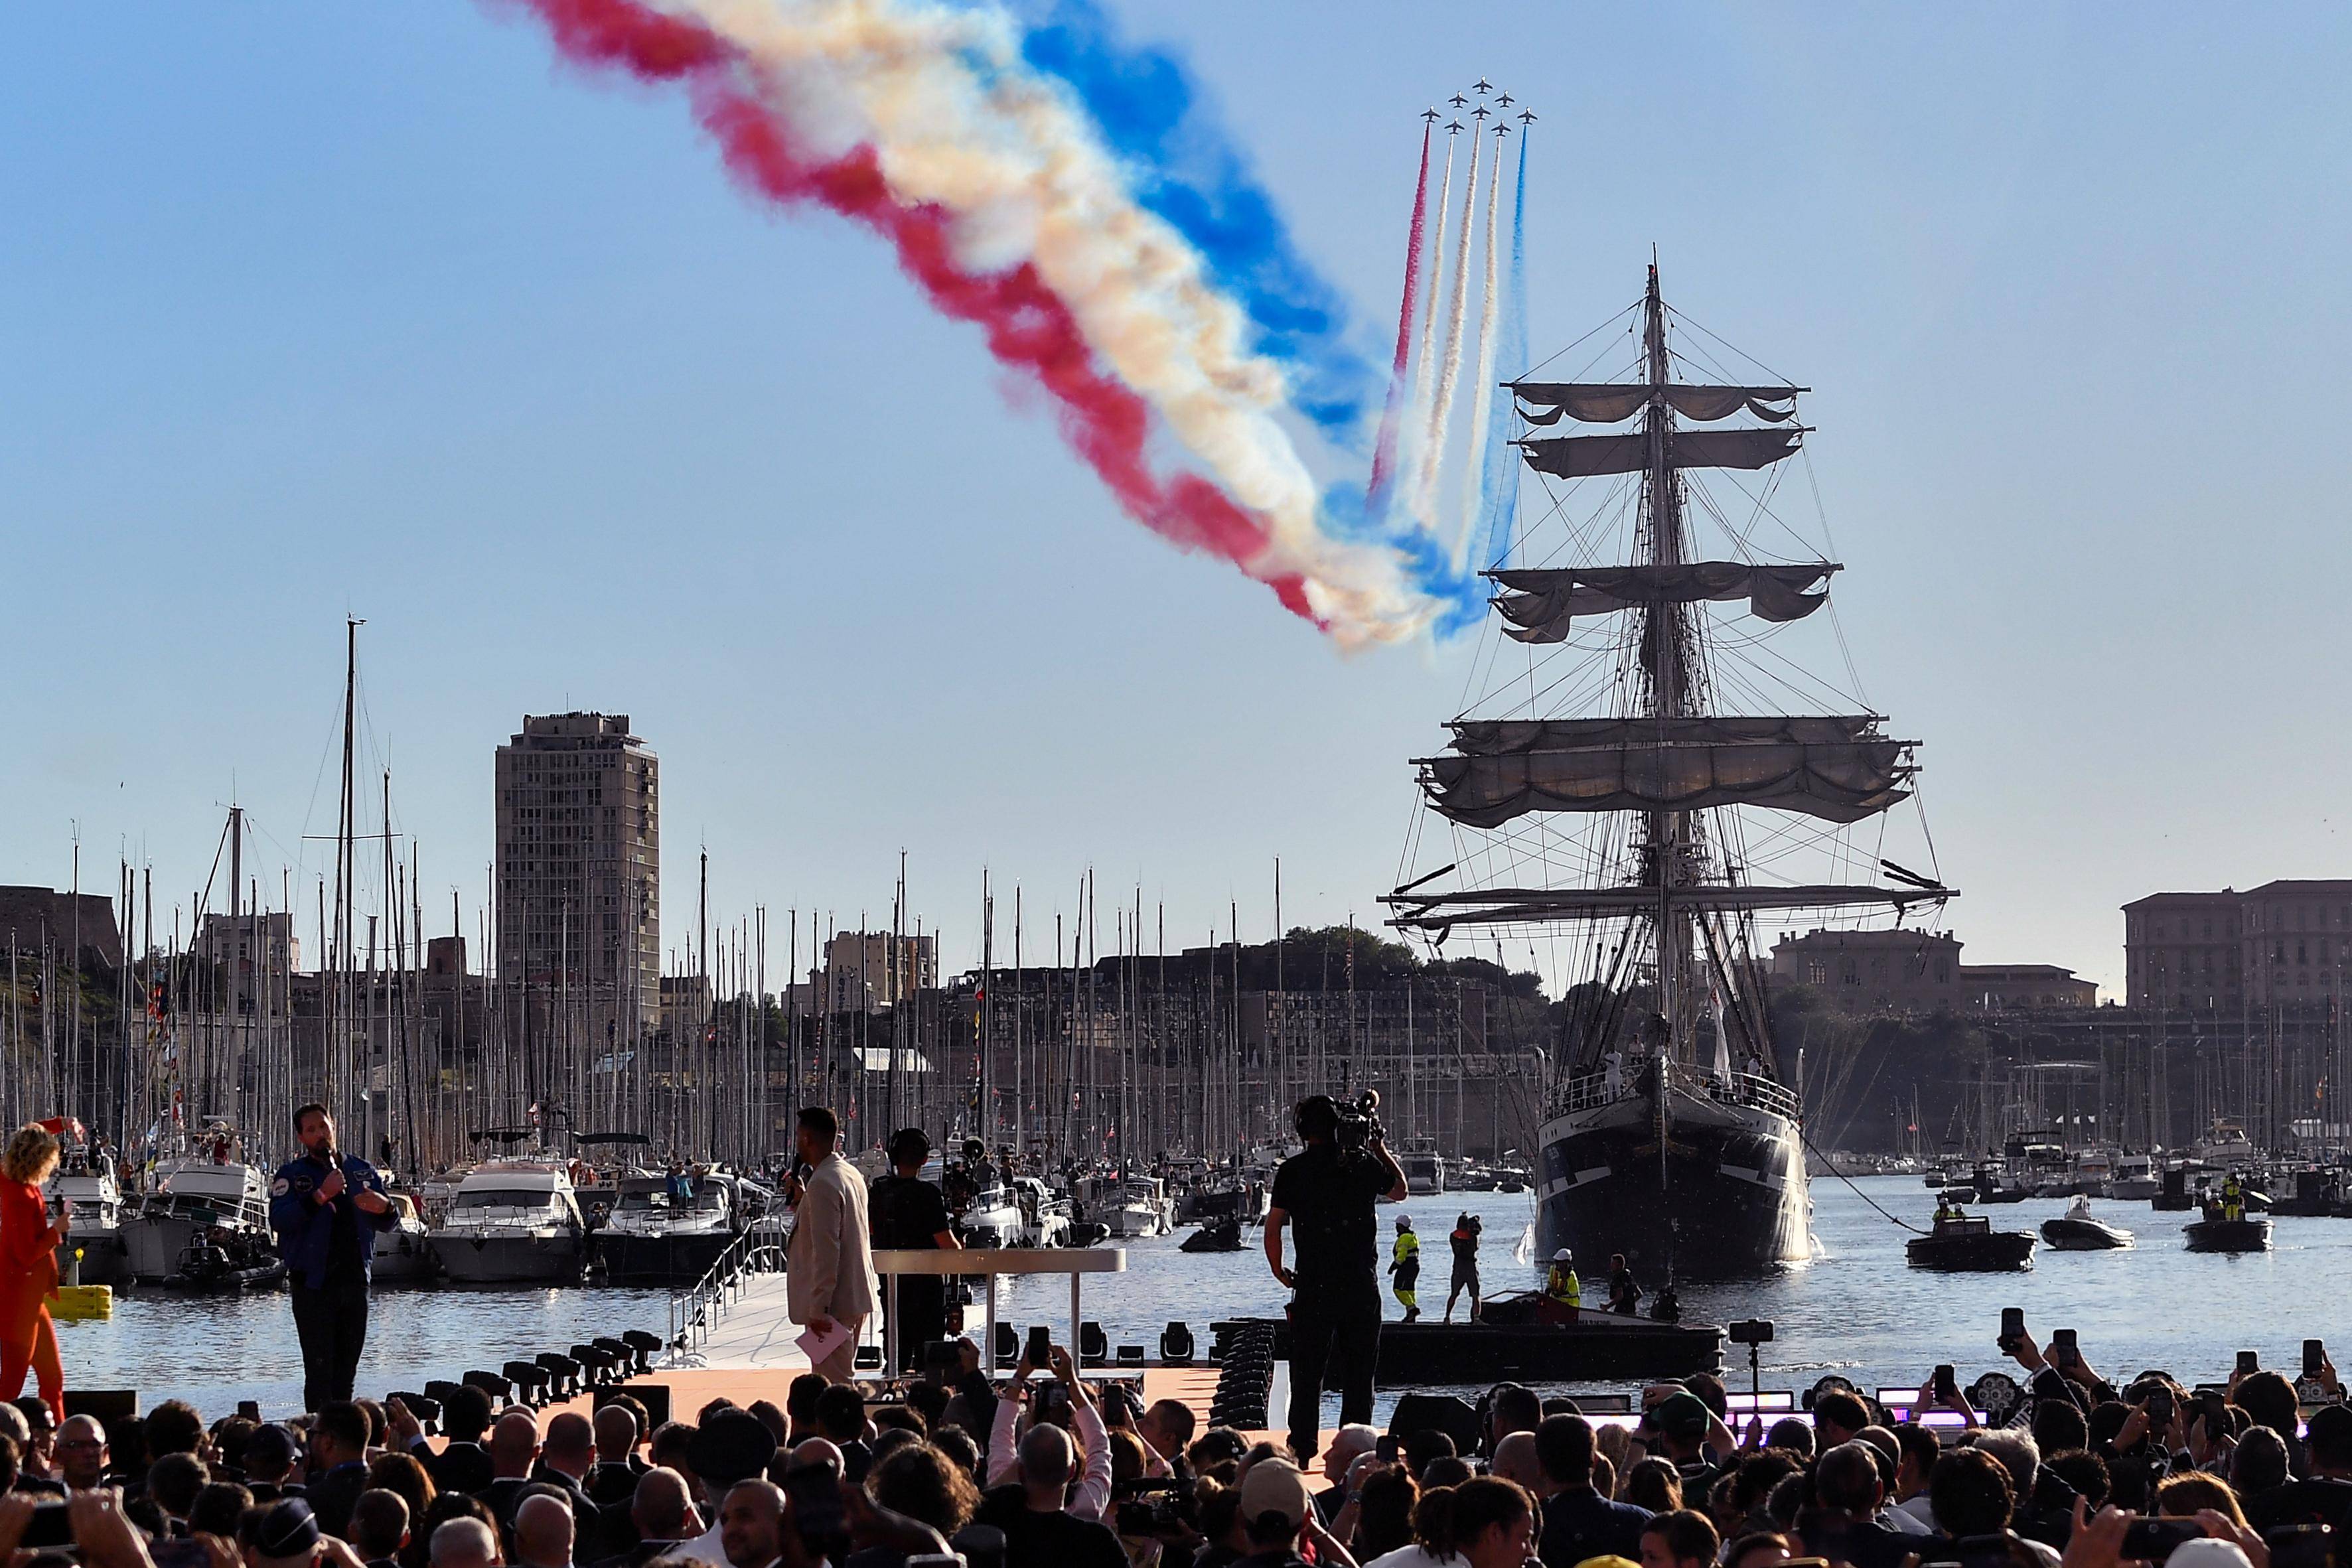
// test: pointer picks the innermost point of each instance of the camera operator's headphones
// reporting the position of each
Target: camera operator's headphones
(1317, 1117)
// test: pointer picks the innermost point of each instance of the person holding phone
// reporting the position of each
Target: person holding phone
(1076, 1416)
(327, 1208)
(829, 1262)
(28, 1268)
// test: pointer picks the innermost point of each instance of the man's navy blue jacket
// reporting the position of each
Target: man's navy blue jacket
(306, 1228)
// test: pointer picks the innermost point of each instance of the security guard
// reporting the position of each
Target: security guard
(1406, 1267)
(906, 1212)
(328, 1209)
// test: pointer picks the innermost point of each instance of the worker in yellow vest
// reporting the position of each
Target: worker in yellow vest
(1563, 1295)
(1406, 1267)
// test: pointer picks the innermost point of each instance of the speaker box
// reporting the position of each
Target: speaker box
(1440, 1413)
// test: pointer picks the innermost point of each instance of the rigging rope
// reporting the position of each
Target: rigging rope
(1857, 1191)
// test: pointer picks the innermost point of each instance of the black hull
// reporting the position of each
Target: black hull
(1728, 1198)
(678, 1259)
(2229, 1235)
(1994, 1253)
(2084, 1236)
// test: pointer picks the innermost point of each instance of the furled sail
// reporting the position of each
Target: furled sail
(1836, 768)
(1607, 402)
(1576, 456)
(1540, 604)
(1496, 905)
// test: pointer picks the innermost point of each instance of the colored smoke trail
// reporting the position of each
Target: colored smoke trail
(1425, 371)
(924, 125)
(1384, 449)
(1482, 384)
(1499, 498)
(1152, 113)
(1449, 369)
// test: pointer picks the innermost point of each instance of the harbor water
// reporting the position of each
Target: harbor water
(1855, 1309)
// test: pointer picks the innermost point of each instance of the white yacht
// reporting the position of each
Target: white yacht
(403, 1254)
(193, 1195)
(95, 1231)
(515, 1220)
(1424, 1171)
(994, 1218)
(2137, 1178)
(1139, 1206)
(670, 1228)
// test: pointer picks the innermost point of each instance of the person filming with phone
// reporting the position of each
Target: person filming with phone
(327, 1208)
(1327, 1192)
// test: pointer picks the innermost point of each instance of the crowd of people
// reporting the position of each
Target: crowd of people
(951, 1465)
(1048, 1467)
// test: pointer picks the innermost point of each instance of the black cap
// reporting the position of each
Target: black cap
(271, 1445)
(287, 1531)
(731, 1446)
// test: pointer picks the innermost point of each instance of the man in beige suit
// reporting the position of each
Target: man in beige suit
(829, 1264)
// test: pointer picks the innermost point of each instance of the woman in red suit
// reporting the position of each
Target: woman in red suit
(28, 1268)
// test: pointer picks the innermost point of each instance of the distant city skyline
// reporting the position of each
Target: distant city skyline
(315, 312)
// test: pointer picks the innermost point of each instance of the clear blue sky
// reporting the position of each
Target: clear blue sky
(313, 307)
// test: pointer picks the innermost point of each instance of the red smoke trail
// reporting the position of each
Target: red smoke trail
(1028, 326)
(1384, 451)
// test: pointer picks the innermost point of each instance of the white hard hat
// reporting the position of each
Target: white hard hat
(1560, 1256)
(1404, 1222)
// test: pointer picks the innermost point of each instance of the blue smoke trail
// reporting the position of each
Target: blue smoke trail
(1498, 488)
(1193, 175)
(1461, 595)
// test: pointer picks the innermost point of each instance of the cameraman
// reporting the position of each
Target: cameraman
(1329, 1191)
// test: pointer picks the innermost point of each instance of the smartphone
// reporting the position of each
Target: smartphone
(2315, 1352)
(2012, 1328)
(1945, 1386)
(1385, 1449)
(815, 1496)
(2062, 1348)
(48, 1526)
(1040, 1350)
(2299, 1545)
(2159, 1404)
(2152, 1539)
(2248, 1362)
(2212, 1408)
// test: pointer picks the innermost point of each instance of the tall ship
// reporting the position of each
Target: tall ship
(1645, 776)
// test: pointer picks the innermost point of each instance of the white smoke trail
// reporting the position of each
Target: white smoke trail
(958, 122)
(1441, 407)
(1482, 396)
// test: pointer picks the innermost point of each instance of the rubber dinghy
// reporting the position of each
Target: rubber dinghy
(2078, 1233)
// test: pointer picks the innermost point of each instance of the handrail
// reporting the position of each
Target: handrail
(696, 1310)
(1638, 1076)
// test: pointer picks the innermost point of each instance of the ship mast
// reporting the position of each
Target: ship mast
(1664, 656)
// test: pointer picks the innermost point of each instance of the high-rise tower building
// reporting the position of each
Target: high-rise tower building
(579, 848)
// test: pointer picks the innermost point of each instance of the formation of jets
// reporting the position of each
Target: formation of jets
(1482, 87)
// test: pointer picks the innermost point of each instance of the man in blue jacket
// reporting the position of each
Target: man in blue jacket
(327, 1210)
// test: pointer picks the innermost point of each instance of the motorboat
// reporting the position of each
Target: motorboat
(2214, 1234)
(2313, 1191)
(994, 1218)
(2095, 1172)
(669, 1227)
(1969, 1244)
(1993, 1185)
(1044, 1216)
(221, 1262)
(1424, 1171)
(2076, 1231)
(194, 1194)
(94, 1243)
(1511, 1179)
(1137, 1206)
(2136, 1179)
(515, 1220)
(403, 1254)
(1221, 1235)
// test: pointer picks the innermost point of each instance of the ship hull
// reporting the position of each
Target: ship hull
(672, 1257)
(508, 1259)
(1728, 1198)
